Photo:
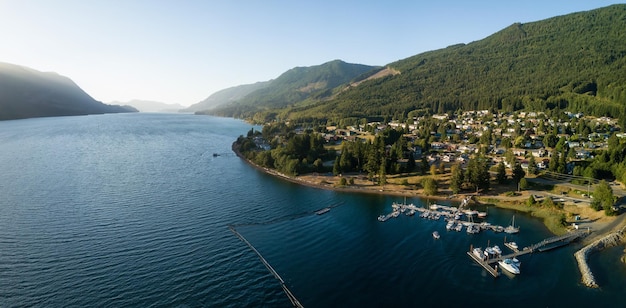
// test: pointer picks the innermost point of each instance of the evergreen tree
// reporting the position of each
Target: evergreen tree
(456, 178)
(532, 165)
(523, 184)
(336, 167)
(518, 173)
(430, 186)
(554, 161)
(424, 167)
(382, 175)
(603, 198)
(501, 173)
(410, 164)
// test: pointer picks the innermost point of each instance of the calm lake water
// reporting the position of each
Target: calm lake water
(132, 210)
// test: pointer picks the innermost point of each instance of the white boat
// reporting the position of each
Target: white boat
(517, 262)
(458, 227)
(478, 253)
(482, 214)
(434, 206)
(489, 253)
(450, 225)
(497, 249)
(471, 229)
(509, 266)
(512, 228)
(513, 245)
(436, 235)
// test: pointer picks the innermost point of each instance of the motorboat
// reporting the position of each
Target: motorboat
(478, 253)
(436, 235)
(489, 253)
(497, 249)
(517, 262)
(513, 245)
(450, 225)
(471, 229)
(509, 266)
(458, 227)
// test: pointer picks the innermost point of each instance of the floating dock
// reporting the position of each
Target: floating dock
(491, 270)
(545, 245)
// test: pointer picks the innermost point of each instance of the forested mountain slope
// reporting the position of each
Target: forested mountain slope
(575, 62)
(295, 86)
(226, 96)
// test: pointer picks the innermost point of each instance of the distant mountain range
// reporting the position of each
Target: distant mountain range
(227, 96)
(296, 85)
(574, 62)
(28, 93)
(151, 106)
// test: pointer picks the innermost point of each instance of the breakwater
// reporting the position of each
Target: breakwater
(581, 255)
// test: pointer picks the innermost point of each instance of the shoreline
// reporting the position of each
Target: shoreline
(303, 180)
(603, 232)
(516, 203)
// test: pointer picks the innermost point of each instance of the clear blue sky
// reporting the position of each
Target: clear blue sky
(183, 51)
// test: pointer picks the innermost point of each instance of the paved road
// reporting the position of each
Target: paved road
(617, 189)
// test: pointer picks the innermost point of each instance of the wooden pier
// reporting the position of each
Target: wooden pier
(491, 270)
(545, 245)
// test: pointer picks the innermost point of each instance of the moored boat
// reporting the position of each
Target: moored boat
(478, 253)
(436, 235)
(509, 265)
(512, 228)
(517, 262)
(450, 225)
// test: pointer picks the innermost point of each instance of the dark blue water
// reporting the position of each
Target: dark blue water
(133, 210)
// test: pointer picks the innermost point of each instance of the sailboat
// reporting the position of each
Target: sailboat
(512, 228)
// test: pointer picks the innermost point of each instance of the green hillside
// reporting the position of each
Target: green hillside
(296, 86)
(575, 62)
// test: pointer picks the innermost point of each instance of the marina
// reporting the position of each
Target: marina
(491, 258)
(543, 246)
(453, 215)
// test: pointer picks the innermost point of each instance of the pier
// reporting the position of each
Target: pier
(545, 245)
(491, 270)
